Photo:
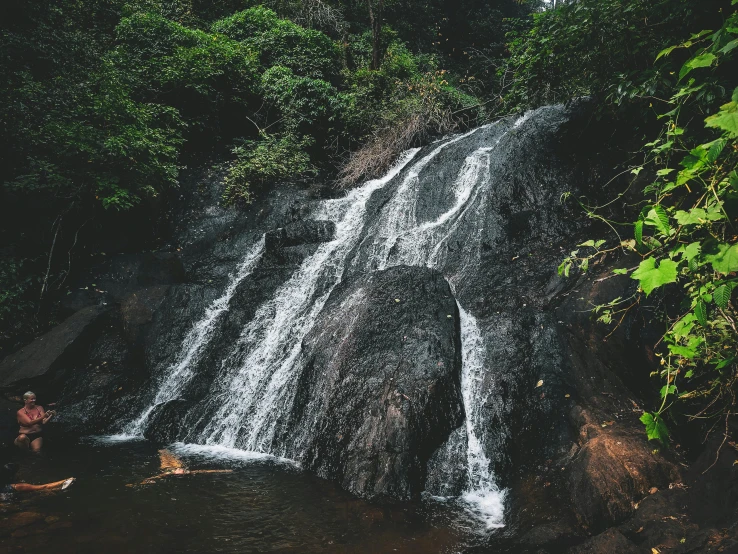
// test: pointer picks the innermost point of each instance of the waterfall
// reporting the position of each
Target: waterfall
(482, 495)
(257, 374)
(179, 373)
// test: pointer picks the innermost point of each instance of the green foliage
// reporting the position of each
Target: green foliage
(655, 427)
(262, 161)
(600, 48)
(279, 42)
(102, 101)
(686, 233)
(308, 106)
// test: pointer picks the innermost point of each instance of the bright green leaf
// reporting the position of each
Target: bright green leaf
(695, 216)
(724, 258)
(726, 119)
(658, 218)
(682, 351)
(651, 277)
(703, 60)
(655, 427)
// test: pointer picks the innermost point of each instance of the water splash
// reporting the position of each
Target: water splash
(482, 495)
(180, 373)
(216, 453)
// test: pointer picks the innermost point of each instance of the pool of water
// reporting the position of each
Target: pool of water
(264, 505)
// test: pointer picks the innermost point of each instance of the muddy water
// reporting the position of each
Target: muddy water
(264, 505)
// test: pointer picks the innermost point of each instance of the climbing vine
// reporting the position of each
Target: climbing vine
(687, 234)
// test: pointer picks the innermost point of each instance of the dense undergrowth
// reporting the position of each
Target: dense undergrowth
(667, 72)
(103, 102)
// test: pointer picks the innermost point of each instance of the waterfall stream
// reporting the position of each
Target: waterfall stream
(258, 373)
(179, 373)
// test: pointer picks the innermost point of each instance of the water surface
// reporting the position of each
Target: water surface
(265, 505)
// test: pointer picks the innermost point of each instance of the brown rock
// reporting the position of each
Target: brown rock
(611, 473)
(609, 542)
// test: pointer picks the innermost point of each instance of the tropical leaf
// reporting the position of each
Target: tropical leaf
(724, 258)
(726, 119)
(650, 276)
(700, 312)
(683, 351)
(638, 231)
(722, 295)
(703, 60)
(655, 427)
(658, 218)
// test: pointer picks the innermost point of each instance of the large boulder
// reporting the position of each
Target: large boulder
(380, 387)
(37, 358)
(613, 470)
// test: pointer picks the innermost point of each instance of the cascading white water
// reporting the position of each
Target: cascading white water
(397, 238)
(180, 373)
(258, 375)
(482, 495)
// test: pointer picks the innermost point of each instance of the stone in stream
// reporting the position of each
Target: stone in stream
(380, 387)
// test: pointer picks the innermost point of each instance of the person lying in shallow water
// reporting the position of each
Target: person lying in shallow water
(171, 465)
(8, 487)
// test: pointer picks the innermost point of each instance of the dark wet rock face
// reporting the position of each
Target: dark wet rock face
(367, 330)
(380, 387)
(36, 359)
(166, 420)
(300, 232)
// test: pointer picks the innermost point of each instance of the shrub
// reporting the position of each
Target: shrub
(280, 42)
(259, 162)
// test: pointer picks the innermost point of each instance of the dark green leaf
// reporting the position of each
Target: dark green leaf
(700, 311)
(722, 295)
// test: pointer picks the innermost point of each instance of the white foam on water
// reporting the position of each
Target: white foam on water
(181, 371)
(224, 453)
(111, 439)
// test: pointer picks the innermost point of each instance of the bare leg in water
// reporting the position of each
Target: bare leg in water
(26, 487)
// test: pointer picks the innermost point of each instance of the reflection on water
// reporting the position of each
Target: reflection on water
(265, 505)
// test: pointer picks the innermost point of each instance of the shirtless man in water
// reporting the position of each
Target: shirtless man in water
(171, 465)
(30, 419)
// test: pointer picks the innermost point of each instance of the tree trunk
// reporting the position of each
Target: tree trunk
(375, 18)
